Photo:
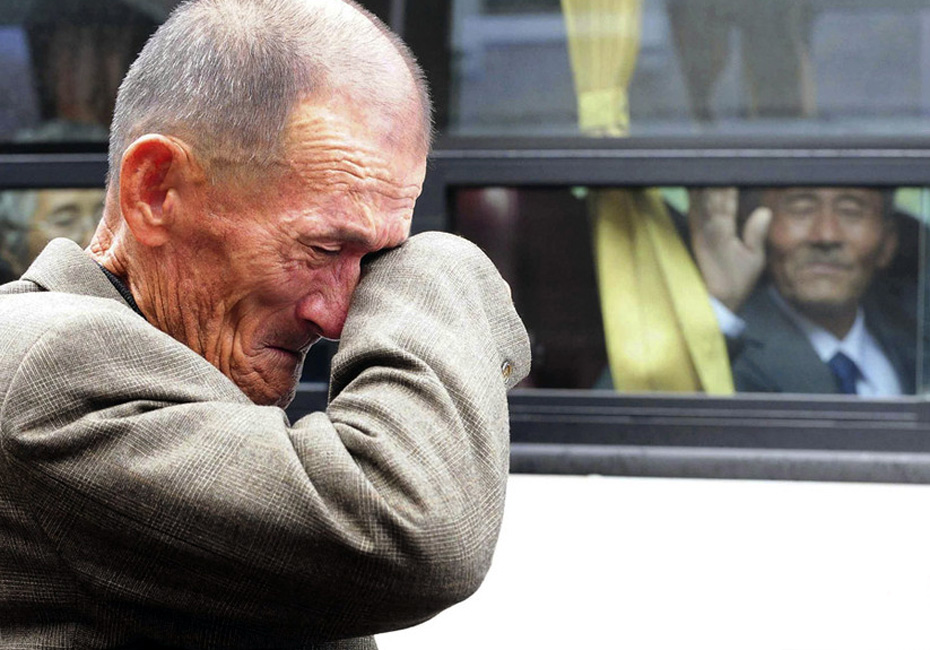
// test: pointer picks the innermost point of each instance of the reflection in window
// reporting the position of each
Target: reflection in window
(758, 289)
(66, 59)
(730, 67)
(774, 54)
(29, 219)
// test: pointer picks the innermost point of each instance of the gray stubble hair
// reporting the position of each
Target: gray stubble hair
(225, 75)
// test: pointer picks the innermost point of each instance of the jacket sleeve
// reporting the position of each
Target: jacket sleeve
(178, 505)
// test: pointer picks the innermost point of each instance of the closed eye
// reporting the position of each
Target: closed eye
(328, 251)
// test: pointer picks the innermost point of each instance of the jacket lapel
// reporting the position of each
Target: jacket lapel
(778, 349)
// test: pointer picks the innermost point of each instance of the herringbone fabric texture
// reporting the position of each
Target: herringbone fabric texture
(145, 502)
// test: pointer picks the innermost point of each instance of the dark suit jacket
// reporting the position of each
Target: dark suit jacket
(146, 502)
(774, 355)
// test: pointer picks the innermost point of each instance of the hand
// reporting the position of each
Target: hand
(731, 265)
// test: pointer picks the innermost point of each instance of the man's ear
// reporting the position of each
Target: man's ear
(155, 170)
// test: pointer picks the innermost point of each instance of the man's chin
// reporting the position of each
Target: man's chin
(272, 379)
(824, 306)
(275, 391)
(822, 294)
(269, 396)
(285, 399)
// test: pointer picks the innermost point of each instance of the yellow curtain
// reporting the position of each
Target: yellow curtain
(603, 40)
(661, 332)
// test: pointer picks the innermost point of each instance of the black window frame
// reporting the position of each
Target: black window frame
(746, 436)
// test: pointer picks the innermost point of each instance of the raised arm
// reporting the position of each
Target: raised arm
(730, 263)
(174, 503)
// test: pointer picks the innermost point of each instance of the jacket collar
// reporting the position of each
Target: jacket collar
(63, 266)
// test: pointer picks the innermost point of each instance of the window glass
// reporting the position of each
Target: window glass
(61, 62)
(688, 67)
(29, 219)
(714, 290)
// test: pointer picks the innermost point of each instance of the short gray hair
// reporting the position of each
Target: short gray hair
(225, 75)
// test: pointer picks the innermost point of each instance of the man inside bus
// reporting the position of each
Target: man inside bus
(265, 160)
(815, 322)
(30, 219)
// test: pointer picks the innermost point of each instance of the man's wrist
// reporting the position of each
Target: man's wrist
(731, 325)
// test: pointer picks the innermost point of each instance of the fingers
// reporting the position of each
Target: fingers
(721, 201)
(756, 229)
(714, 207)
(729, 263)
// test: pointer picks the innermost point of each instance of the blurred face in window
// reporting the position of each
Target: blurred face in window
(63, 213)
(825, 246)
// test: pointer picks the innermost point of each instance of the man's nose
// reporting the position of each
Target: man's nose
(327, 306)
(825, 228)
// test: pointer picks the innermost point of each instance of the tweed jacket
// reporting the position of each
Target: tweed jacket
(774, 355)
(145, 502)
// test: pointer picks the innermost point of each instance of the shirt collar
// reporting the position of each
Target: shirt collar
(825, 343)
(121, 288)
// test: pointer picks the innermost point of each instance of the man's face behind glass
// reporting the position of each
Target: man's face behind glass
(64, 213)
(826, 244)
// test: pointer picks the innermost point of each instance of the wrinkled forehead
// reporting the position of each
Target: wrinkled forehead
(867, 196)
(338, 140)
